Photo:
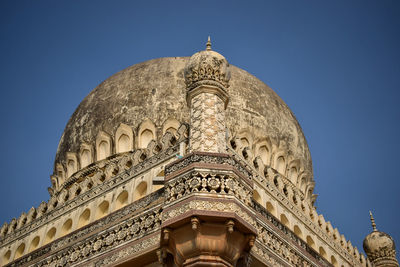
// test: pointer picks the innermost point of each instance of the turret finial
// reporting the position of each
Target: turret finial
(373, 222)
(208, 45)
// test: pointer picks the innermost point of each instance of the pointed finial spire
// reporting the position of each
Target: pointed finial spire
(208, 45)
(373, 222)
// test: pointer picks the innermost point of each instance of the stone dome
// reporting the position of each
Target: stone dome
(378, 241)
(380, 247)
(155, 91)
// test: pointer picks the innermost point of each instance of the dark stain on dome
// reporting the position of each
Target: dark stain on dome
(155, 90)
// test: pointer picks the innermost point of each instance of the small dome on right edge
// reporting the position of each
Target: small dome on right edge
(380, 247)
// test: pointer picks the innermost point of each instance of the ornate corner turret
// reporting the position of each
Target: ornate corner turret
(380, 247)
(207, 216)
(207, 78)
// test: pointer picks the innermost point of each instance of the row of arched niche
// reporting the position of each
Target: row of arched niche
(292, 171)
(105, 145)
(274, 156)
(91, 212)
(125, 140)
(306, 235)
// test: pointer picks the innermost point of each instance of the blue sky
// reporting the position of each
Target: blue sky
(335, 63)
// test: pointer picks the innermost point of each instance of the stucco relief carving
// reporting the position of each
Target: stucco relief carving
(132, 250)
(211, 182)
(208, 158)
(270, 243)
(207, 67)
(72, 251)
(206, 205)
(207, 131)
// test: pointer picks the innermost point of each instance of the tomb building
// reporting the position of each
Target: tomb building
(183, 161)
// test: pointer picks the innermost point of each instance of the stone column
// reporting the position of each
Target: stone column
(207, 119)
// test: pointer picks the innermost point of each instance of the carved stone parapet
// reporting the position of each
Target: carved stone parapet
(103, 236)
(207, 175)
(212, 184)
(284, 247)
(215, 161)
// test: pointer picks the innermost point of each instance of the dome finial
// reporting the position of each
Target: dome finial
(208, 45)
(373, 221)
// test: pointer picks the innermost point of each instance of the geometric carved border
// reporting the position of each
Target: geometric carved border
(140, 246)
(77, 247)
(206, 206)
(283, 244)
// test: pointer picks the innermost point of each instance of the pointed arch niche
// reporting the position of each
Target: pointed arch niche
(270, 208)
(264, 152)
(103, 145)
(303, 183)
(124, 139)
(102, 209)
(20, 251)
(34, 244)
(72, 163)
(6, 257)
(257, 197)
(280, 164)
(84, 218)
(140, 190)
(60, 173)
(86, 155)
(293, 173)
(171, 125)
(245, 138)
(147, 132)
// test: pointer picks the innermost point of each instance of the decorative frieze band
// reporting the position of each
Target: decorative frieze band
(72, 248)
(138, 247)
(132, 229)
(208, 158)
(209, 206)
(270, 241)
(211, 181)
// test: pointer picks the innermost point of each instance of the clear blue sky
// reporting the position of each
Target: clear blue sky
(335, 63)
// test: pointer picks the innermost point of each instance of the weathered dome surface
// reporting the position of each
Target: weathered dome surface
(378, 241)
(380, 249)
(156, 90)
